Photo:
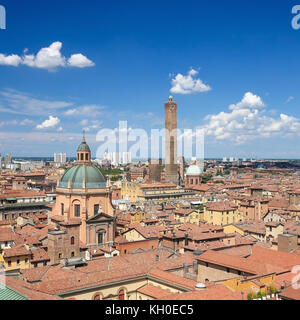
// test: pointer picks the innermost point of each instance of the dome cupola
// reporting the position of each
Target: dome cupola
(83, 152)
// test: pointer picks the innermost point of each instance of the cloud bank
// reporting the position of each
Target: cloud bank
(49, 58)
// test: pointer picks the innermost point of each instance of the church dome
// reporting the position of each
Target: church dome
(193, 170)
(83, 176)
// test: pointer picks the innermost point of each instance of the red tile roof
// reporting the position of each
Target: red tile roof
(218, 292)
(153, 291)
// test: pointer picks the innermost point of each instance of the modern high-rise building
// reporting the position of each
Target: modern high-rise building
(126, 158)
(116, 158)
(171, 141)
(8, 159)
(60, 158)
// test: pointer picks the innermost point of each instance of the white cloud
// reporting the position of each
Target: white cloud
(188, 84)
(49, 58)
(246, 121)
(289, 99)
(87, 110)
(21, 103)
(26, 122)
(12, 60)
(91, 125)
(80, 61)
(249, 101)
(50, 123)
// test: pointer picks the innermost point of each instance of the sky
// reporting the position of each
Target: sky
(232, 66)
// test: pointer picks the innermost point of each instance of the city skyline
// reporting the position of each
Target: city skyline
(236, 79)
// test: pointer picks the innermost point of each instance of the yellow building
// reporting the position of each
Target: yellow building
(221, 213)
(231, 228)
(155, 192)
(15, 258)
(188, 216)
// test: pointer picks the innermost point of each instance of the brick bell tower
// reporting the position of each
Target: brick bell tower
(171, 141)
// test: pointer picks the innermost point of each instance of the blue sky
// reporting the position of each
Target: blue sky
(232, 66)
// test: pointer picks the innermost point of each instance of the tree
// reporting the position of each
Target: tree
(250, 296)
(206, 178)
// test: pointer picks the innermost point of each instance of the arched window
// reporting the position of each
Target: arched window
(81, 157)
(86, 156)
(72, 240)
(122, 294)
(97, 297)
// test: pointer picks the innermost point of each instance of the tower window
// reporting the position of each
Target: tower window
(72, 240)
(81, 157)
(62, 209)
(86, 156)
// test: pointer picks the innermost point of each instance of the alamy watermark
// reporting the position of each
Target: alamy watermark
(2, 18)
(187, 142)
(296, 19)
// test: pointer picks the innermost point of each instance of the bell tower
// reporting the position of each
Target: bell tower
(83, 152)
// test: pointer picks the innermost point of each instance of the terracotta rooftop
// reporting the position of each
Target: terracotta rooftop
(238, 263)
(153, 291)
(218, 292)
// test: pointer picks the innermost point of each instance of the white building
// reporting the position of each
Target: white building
(60, 158)
(126, 158)
(116, 158)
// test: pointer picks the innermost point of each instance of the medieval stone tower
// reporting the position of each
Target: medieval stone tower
(171, 141)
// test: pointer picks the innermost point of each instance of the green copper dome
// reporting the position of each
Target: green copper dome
(193, 170)
(82, 174)
(83, 147)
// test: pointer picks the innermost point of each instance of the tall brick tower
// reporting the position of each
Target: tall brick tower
(171, 141)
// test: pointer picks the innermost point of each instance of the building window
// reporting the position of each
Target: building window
(77, 210)
(9, 263)
(18, 262)
(81, 157)
(45, 263)
(62, 209)
(73, 254)
(59, 255)
(97, 297)
(86, 156)
(228, 270)
(72, 240)
(96, 209)
(100, 238)
(35, 265)
(6, 217)
(122, 294)
(26, 260)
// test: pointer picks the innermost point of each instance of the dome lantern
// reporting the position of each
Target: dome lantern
(83, 152)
